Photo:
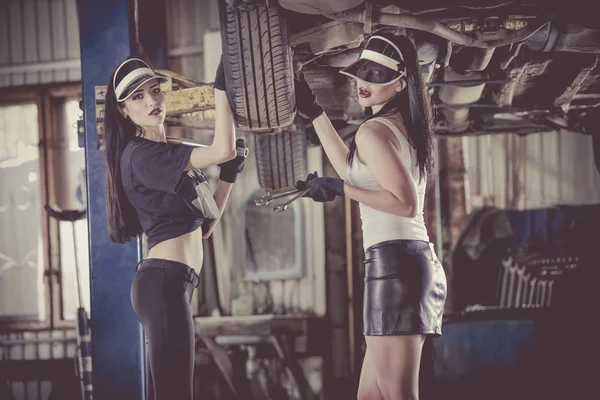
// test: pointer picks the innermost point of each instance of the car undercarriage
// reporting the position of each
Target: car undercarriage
(490, 66)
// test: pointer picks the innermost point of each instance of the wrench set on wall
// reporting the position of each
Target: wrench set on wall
(532, 283)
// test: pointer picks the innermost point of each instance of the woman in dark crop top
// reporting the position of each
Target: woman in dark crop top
(156, 188)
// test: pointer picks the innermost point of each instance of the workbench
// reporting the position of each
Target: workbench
(288, 335)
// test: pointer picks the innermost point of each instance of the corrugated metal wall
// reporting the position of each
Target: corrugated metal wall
(39, 39)
(536, 171)
(187, 22)
(39, 42)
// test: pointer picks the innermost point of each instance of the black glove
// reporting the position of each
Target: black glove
(302, 185)
(220, 77)
(306, 101)
(322, 189)
(230, 169)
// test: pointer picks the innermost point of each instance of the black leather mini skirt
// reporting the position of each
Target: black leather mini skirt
(405, 289)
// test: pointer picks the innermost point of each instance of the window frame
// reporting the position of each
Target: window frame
(48, 99)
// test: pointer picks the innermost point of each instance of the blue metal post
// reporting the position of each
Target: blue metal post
(117, 340)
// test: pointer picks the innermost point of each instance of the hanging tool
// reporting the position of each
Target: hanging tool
(83, 329)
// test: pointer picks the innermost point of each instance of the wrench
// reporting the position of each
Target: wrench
(503, 288)
(283, 206)
(275, 194)
(520, 274)
(271, 192)
(550, 284)
(532, 289)
(512, 276)
(524, 298)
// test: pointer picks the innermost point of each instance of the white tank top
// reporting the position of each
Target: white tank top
(378, 226)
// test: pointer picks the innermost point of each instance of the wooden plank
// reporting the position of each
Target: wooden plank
(189, 100)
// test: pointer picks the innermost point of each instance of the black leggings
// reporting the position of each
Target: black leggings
(160, 294)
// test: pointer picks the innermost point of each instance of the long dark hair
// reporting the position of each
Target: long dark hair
(123, 221)
(415, 106)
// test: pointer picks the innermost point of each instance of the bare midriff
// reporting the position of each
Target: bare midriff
(186, 249)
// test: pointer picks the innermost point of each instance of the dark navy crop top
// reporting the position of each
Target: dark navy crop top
(169, 201)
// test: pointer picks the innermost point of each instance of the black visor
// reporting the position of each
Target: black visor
(380, 63)
(132, 74)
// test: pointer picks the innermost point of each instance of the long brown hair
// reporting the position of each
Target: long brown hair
(123, 221)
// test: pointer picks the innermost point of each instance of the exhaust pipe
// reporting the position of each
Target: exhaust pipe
(368, 18)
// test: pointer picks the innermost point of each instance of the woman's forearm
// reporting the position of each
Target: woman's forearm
(381, 200)
(223, 146)
(221, 195)
(224, 137)
(334, 146)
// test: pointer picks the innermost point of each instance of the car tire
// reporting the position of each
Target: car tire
(258, 66)
(260, 88)
(281, 159)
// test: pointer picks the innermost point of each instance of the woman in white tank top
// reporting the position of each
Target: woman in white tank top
(386, 169)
